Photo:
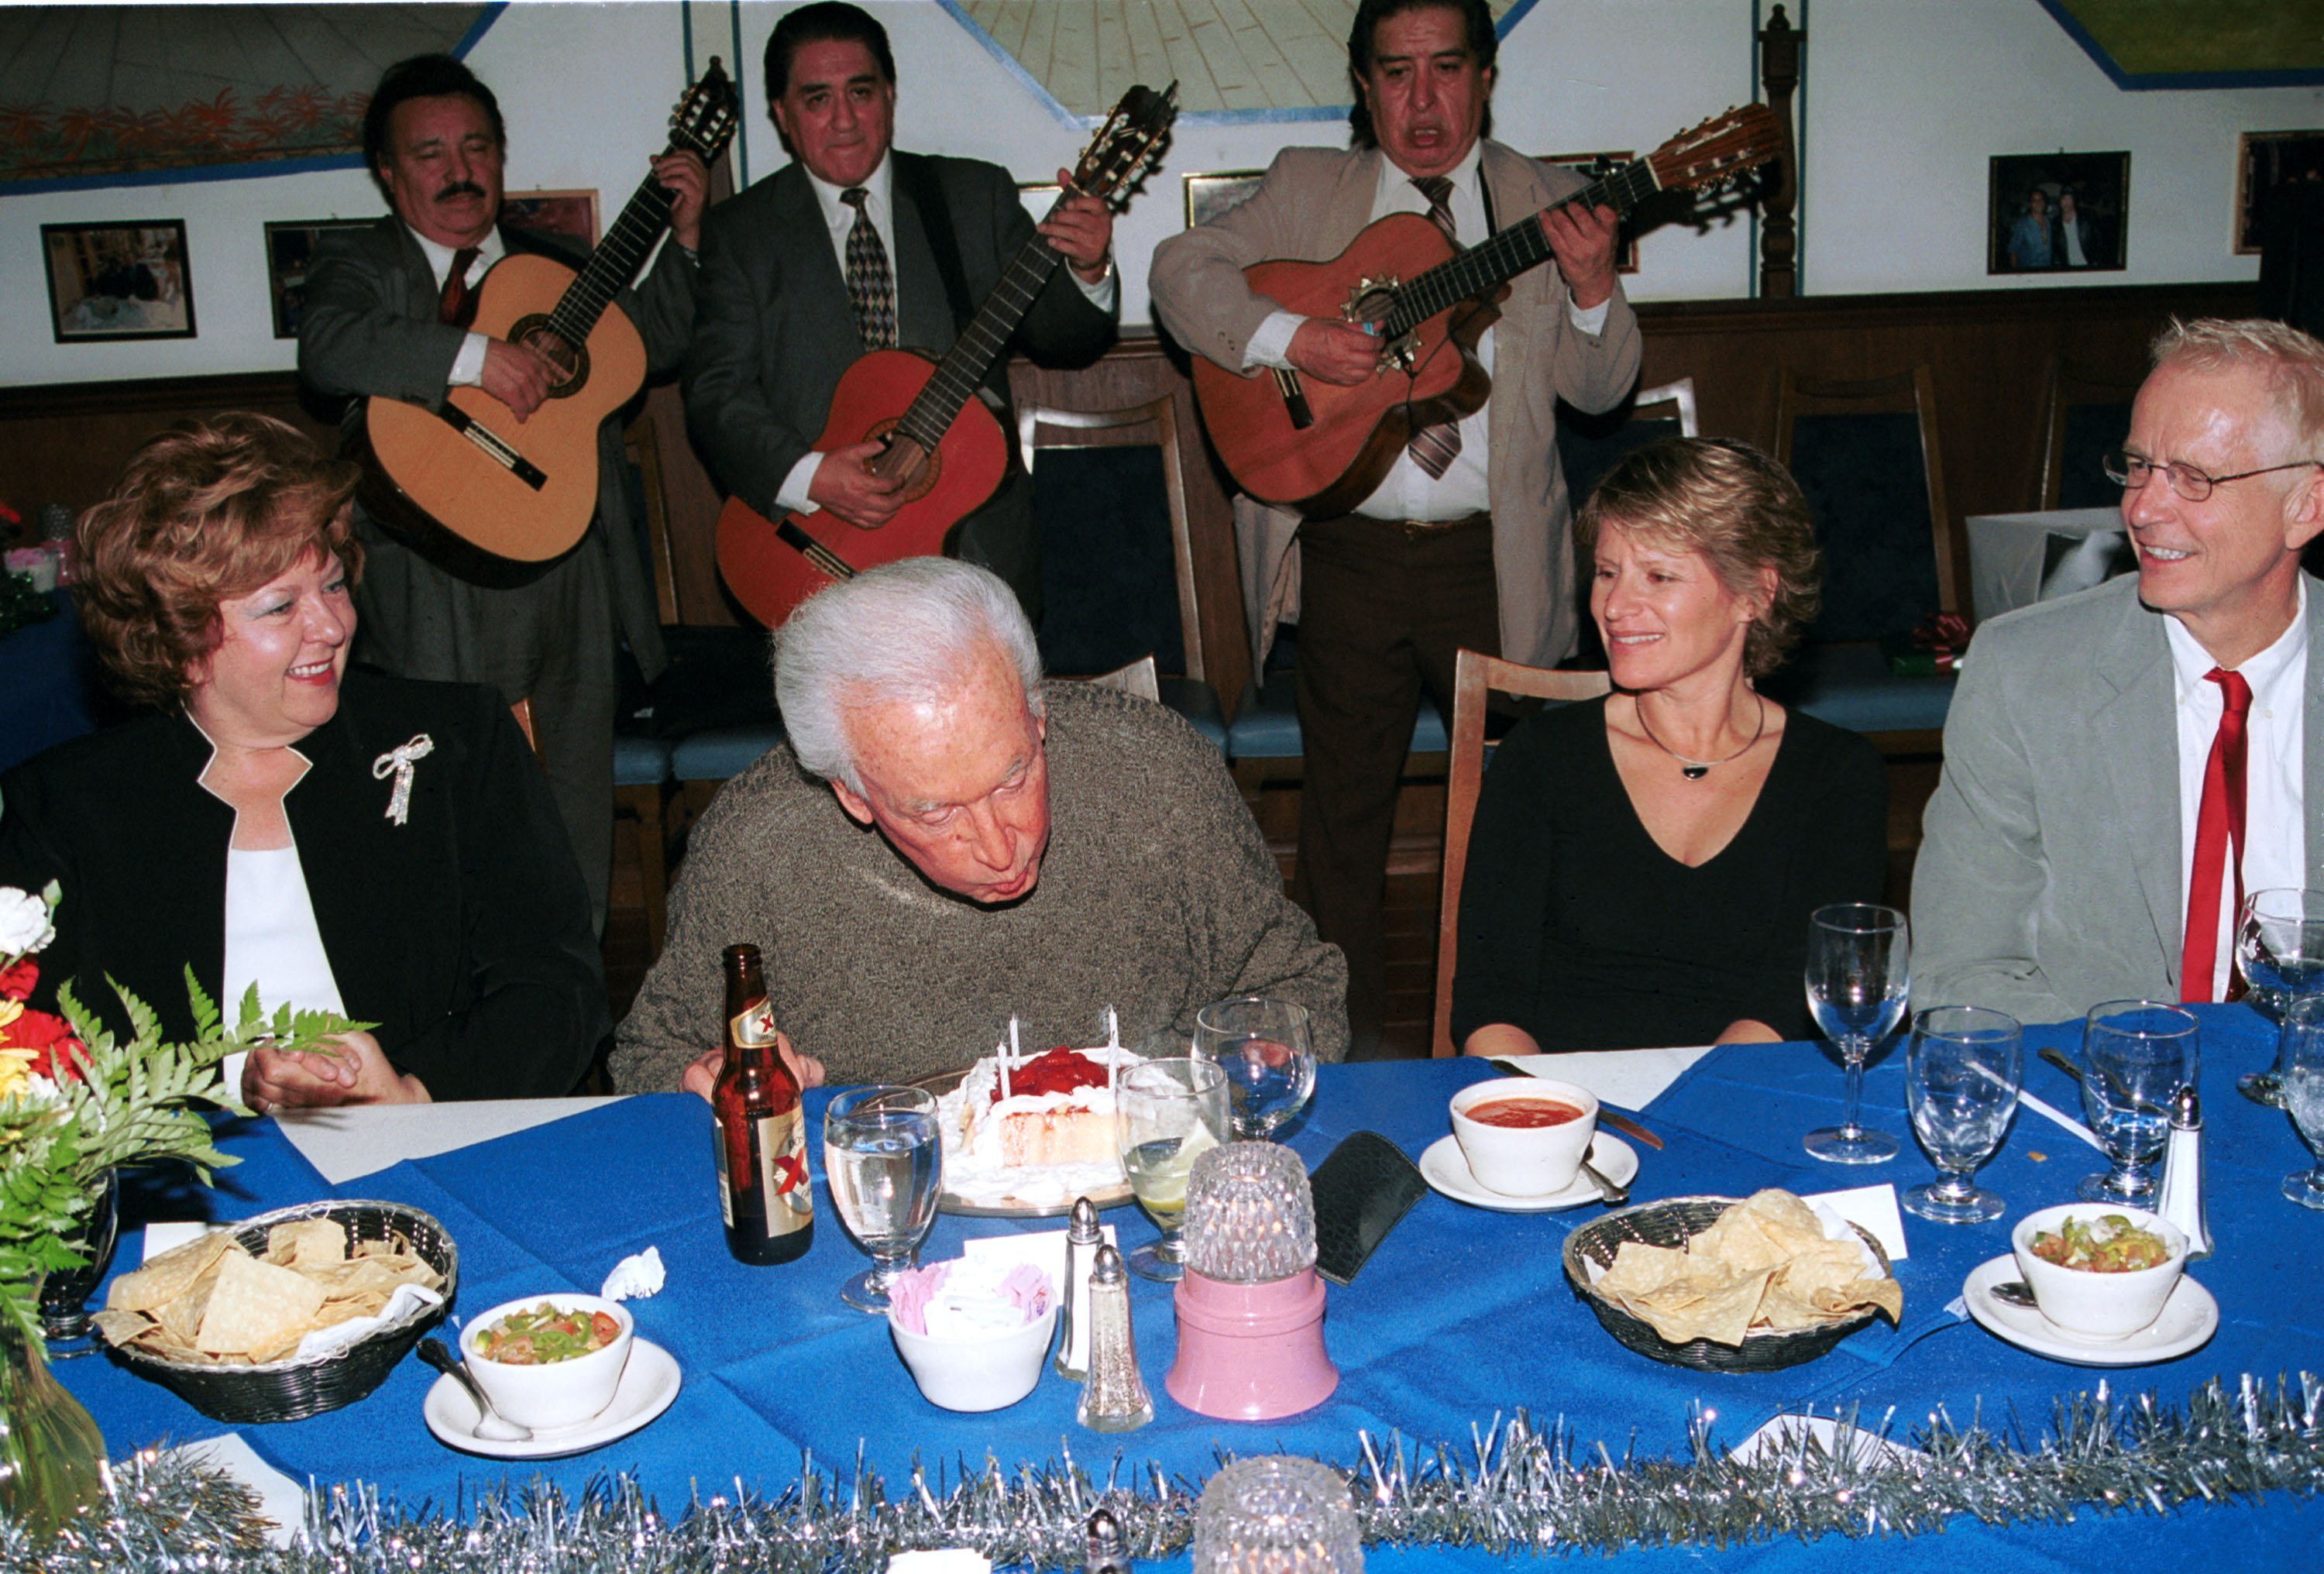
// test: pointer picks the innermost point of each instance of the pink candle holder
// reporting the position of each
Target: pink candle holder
(1250, 1307)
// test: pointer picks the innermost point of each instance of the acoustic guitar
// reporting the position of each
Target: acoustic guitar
(1303, 444)
(942, 442)
(497, 501)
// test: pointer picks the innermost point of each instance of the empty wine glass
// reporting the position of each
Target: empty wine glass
(2136, 1055)
(883, 1157)
(2300, 1060)
(1167, 1112)
(1859, 973)
(1263, 1047)
(1962, 1071)
(2280, 951)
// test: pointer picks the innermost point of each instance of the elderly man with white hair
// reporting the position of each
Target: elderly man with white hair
(946, 841)
(2123, 765)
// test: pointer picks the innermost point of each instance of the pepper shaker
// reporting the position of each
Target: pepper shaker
(1113, 1396)
(2182, 1201)
(1082, 1237)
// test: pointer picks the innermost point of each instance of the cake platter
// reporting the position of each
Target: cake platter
(1045, 1201)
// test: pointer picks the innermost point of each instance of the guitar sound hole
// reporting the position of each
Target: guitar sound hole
(906, 460)
(572, 360)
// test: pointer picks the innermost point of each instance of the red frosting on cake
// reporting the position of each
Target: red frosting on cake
(1059, 1071)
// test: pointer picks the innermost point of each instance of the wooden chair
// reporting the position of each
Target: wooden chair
(2085, 414)
(1474, 675)
(1137, 678)
(523, 712)
(1590, 445)
(642, 767)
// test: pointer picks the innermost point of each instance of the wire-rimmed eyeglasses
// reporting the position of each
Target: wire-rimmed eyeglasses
(2131, 470)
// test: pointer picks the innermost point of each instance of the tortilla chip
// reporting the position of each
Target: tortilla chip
(306, 1241)
(169, 1276)
(1764, 1263)
(254, 1306)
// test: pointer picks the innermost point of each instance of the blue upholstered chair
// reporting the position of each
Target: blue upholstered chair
(1865, 454)
(2086, 415)
(1590, 445)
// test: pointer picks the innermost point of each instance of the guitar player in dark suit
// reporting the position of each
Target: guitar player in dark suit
(779, 320)
(383, 319)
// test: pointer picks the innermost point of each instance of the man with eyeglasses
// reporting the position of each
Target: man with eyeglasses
(2123, 765)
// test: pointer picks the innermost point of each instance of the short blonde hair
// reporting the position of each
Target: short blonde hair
(1735, 505)
(2292, 363)
(206, 511)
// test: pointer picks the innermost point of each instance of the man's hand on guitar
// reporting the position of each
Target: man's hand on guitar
(844, 485)
(1081, 231)
(684, 175)
(1337, 353)
(1582, 242)
(517, 375)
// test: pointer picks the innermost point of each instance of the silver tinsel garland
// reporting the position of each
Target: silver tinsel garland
(1514, 1486)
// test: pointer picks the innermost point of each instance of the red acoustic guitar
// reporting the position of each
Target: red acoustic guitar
(942, 441)
(1303, 444)
(497, 501)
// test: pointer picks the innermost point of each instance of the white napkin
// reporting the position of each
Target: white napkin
(279, 1499)
(1045, 1250)
(634, 1278)
(946, 1560)
(1783, 1434)
(407, 1299)
(1872, 1207)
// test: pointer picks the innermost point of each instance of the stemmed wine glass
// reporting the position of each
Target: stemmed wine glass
(2136, 1055)
(884, 1158)
(2300, 1060)
(1962, 1071)
(2280, 950)
(1167, 1112)
(1263, 1047)
(1859, 973)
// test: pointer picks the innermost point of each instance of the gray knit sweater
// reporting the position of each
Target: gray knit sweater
(1157, 896)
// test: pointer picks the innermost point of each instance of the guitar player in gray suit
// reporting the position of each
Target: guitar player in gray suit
(2124, 765)
(839, 253)
(384, 317)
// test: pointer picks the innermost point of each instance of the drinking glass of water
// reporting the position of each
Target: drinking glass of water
(1167, 1112)
(2300, 1060)
(1857, 976)
(2136, 1055)
(1962, 1071)
(883, 1157)
(1263, 1047)
(2280, 951)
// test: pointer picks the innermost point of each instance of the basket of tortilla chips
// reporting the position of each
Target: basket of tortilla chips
(1730, 1285)
(290, 1314)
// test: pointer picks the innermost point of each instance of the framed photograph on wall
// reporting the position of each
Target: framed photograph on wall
(2264, 161)
(1592, 167)
(1209, 196)
(290, 253)
(2057, 213)
(125, 280)
(569, 216)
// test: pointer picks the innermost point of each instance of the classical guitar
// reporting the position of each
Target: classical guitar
(497, 501)
(1303, 444)
(942, 442)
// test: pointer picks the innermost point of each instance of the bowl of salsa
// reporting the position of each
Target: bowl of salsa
(551, 1360)
(2099, 1269)
(1524, 1137)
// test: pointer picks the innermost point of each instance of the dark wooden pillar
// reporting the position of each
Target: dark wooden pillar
(1779, 242)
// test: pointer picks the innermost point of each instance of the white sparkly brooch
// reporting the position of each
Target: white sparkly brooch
(398, 763)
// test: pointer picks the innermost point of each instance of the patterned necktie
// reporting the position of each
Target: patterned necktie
(2219, 827)
(458, 304)
(1433, 448)
(871, 288)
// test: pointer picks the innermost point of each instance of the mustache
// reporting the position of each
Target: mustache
(460, 189)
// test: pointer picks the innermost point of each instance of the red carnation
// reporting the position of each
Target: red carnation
(52, 1037)
(16, 982)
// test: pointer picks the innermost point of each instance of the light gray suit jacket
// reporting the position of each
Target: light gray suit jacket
(2050, 877)
(1312, 202)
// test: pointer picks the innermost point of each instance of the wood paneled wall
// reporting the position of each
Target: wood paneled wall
(1989, 351)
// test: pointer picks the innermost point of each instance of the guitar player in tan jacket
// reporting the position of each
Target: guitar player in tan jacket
(1475, 551)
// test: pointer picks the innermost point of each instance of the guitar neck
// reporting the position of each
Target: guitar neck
(1509, 253)
(981, 345)
(614, 263)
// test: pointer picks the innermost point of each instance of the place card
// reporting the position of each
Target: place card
(1045, 1250)
(1784, 1435)
(279, 1499)
(169, 1235)
(1873, 1209)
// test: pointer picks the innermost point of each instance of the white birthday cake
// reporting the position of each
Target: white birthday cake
(1035, 1129)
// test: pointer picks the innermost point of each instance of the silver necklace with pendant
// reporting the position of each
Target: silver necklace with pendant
(1696, 769)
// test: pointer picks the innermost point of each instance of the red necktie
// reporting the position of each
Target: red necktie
(2219, 824)
(458, 304)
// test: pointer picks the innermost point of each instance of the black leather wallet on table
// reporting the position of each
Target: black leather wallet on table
(1362, 1190)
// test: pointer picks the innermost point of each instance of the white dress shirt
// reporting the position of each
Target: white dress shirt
(468, 365)
(880, 209)
(1408, 491)
(2275, 736)
(273, 942)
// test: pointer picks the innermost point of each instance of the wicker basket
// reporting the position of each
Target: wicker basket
(293, 1388)
(1673, 1222)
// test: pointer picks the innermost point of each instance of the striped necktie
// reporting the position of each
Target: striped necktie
(1433, 448)
(871, 288)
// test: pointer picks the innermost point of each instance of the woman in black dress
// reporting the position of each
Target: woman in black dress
(1642, 867)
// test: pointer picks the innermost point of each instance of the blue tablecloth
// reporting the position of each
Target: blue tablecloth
(1461, 1315)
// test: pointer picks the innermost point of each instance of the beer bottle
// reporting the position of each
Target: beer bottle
(763, 1192)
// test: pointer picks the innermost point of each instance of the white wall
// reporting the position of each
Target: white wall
(1906, 99)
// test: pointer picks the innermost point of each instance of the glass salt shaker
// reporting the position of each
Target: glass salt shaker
(1113, 1396)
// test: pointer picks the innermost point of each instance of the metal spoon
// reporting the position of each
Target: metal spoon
(490, 1425)
(1612, 1195)
(2016, 1291)
(2116, 1094)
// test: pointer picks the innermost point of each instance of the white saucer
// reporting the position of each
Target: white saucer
(1445, 1167)
(648, 1383)
(2189, 1318)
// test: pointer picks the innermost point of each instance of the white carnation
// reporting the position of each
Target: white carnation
(25, 925)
